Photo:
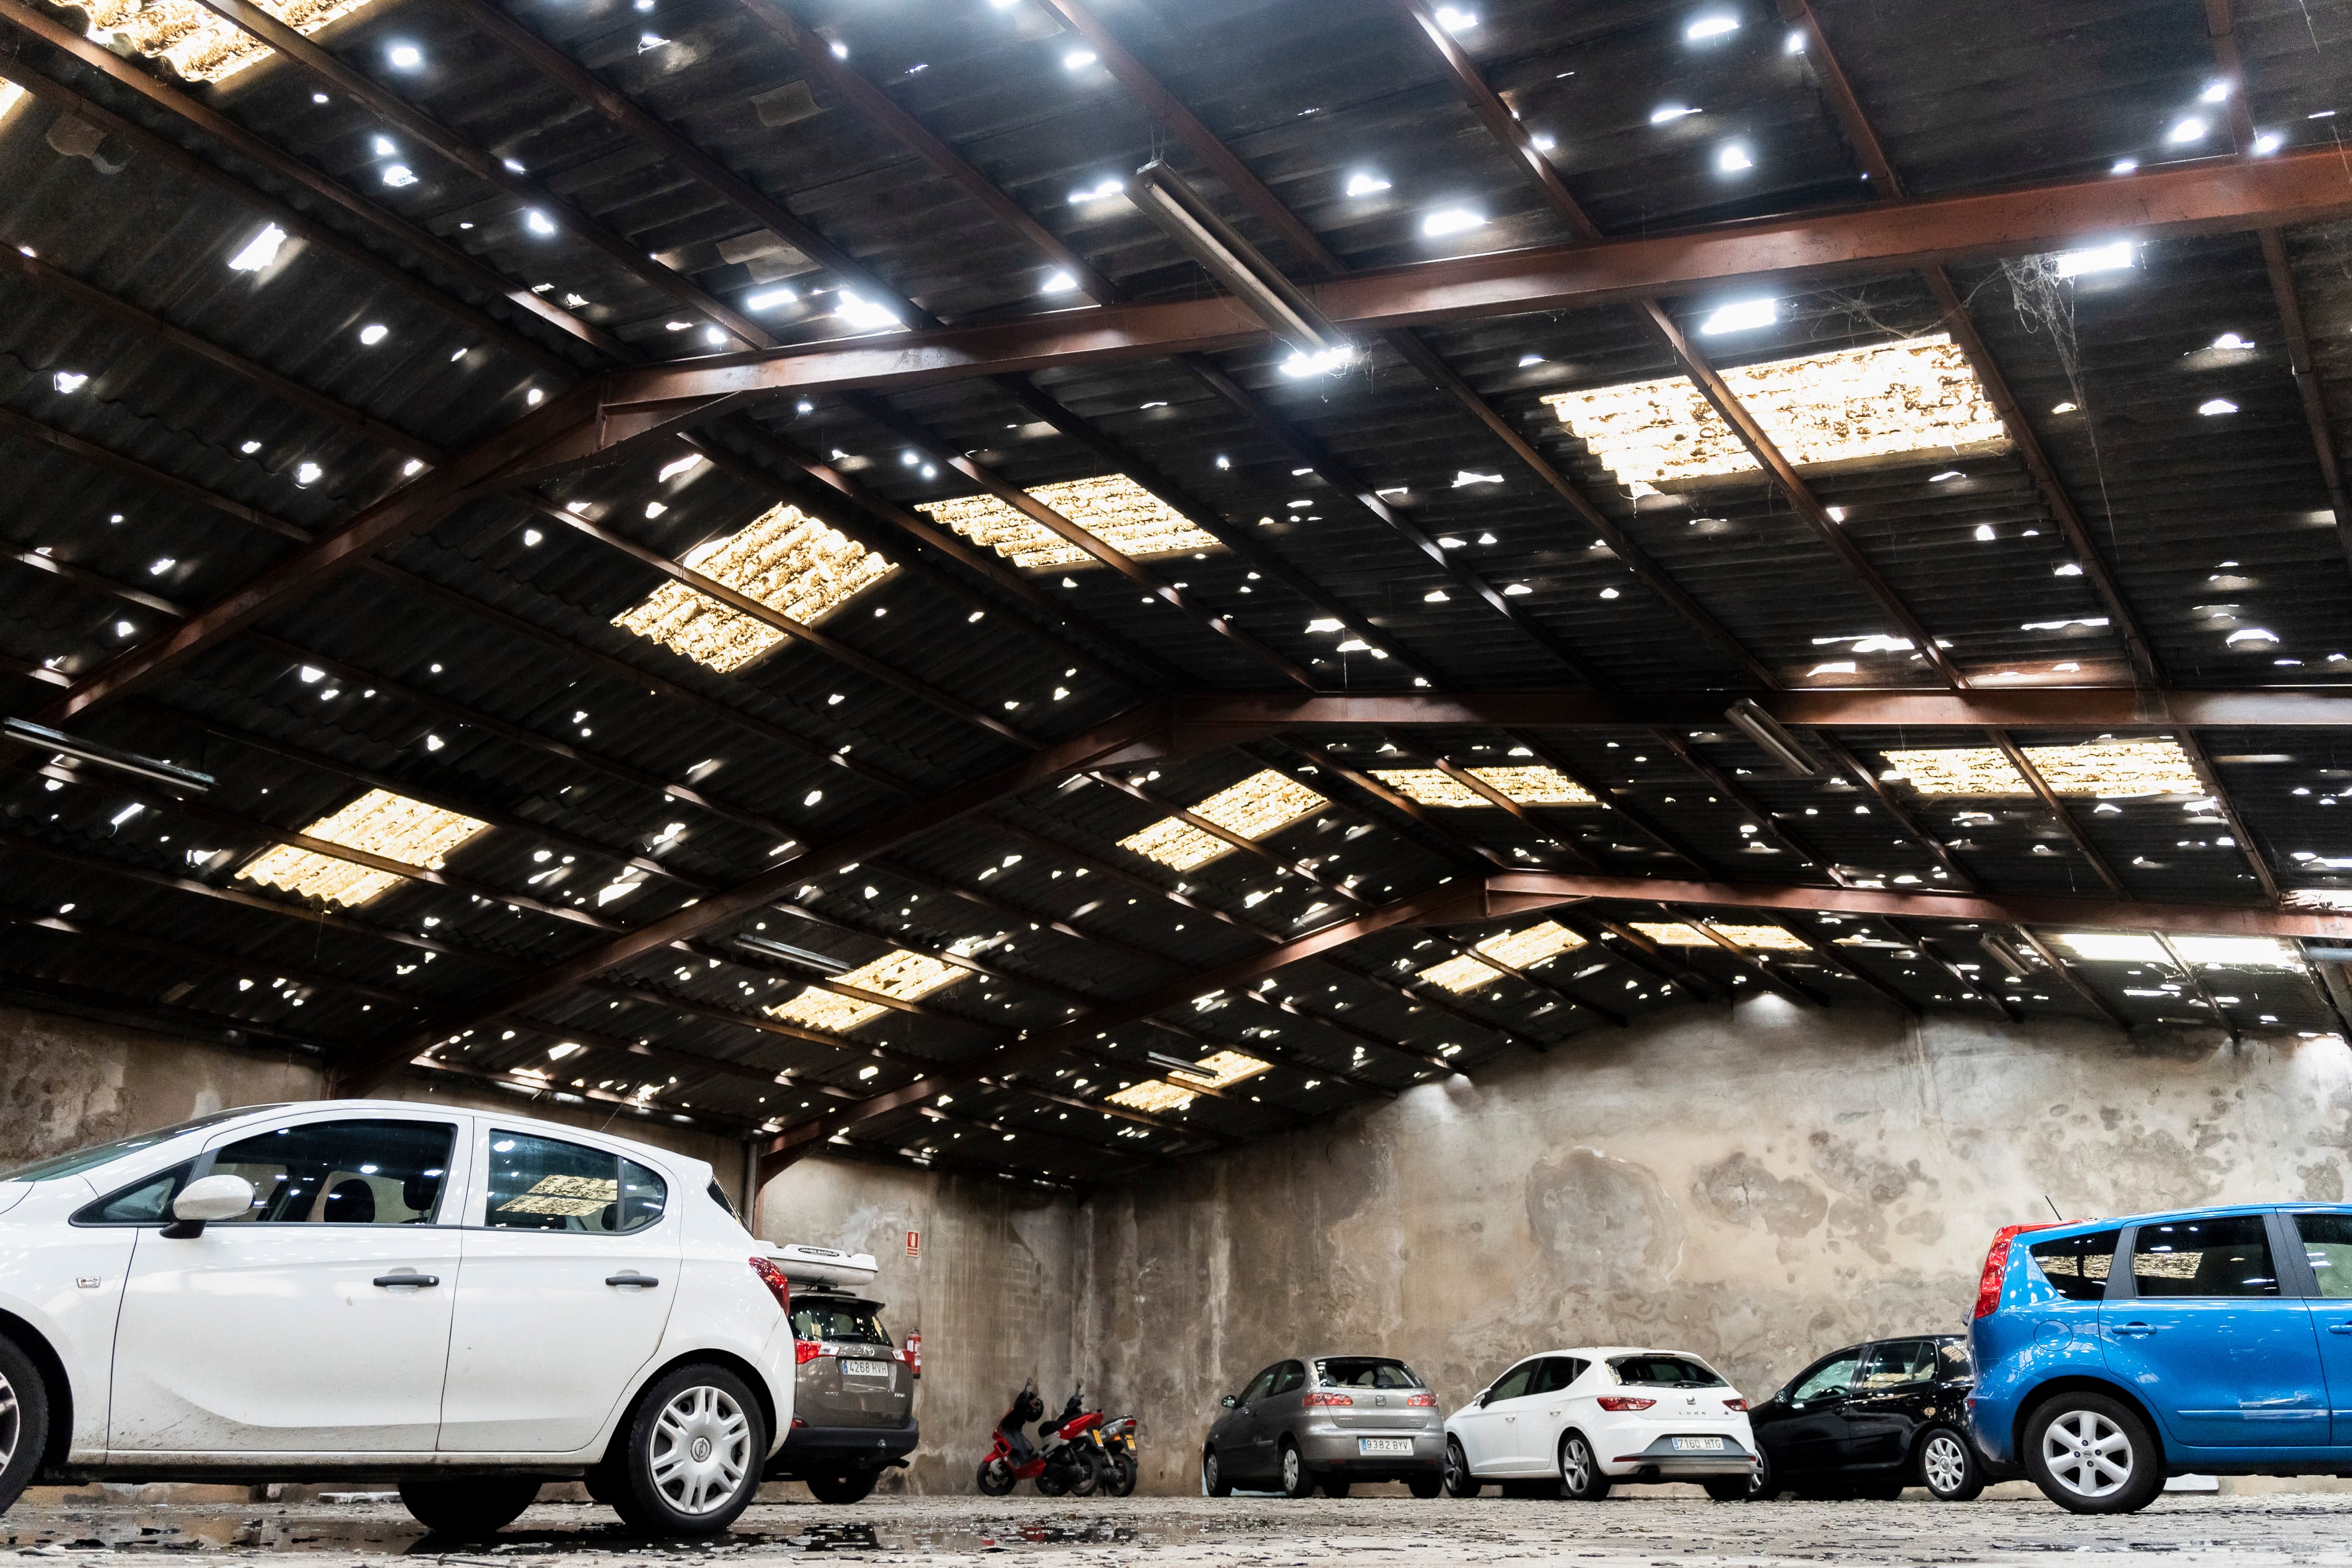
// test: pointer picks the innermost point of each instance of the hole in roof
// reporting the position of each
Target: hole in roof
(1876, 403)
(1113, 508)
(378, 823)
(785, 559)
(2115, 769)
(1528, 785)
(901, 975)
(1263, 803)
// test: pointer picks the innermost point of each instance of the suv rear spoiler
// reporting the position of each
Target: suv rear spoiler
(823, 1264)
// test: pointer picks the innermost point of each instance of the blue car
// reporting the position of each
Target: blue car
(2112, 1353)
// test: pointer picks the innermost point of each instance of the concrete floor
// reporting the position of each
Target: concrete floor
(1197, 1532)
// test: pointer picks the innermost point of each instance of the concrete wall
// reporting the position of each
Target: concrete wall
(996, 1291)
(1758, 1188)
(68, 1081)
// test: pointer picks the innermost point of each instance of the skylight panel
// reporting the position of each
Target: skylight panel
(1883, 401)
(378, 822)
(899, 975)
(1520, 785)
(1262, 804)
(2131, 947)
(1519, 949)
(1674, 933)
(1220, 1070)
(786, 560)
(1113, 508)
(2106, 768)
(198, 44)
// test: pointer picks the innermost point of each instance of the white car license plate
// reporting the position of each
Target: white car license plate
(869, 1369)
(1384, 1445)
(1698, 1444)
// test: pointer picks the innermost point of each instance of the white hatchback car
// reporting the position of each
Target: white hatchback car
(1584, 1420)
(467, 1302)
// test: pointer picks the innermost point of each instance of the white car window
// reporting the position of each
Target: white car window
(342, 1172)
(546, 1184)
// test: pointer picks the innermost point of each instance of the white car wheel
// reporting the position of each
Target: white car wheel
(701, 1447)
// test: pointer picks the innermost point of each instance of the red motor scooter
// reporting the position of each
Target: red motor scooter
(1067, 1460)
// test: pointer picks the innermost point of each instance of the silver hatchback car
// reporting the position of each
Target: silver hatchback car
(1328, 1421)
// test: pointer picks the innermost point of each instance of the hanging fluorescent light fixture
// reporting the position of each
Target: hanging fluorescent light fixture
(42, 738)
(1772, 738)
(1234, 263)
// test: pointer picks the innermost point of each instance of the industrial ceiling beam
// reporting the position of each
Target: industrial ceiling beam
(1209, 719)
(227, 133)
(1139, 730)
(2203, 197)
(1518, 891)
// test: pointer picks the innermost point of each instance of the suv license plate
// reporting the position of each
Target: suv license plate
(1384, 1445)
(1698, 1444)
(882, 1369)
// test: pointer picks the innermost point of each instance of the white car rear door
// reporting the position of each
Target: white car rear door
(297, 1328)
(571, 1266)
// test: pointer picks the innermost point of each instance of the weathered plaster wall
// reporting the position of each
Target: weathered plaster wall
(66, 1081)
(995, 1292)
(1758, 1188)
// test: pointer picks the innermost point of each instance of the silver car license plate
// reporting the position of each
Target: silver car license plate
(869, 1369)
(1698, 1444)
(1384, 1445)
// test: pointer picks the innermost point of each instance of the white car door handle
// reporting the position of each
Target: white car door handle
(391, 1280)
(631, 1279)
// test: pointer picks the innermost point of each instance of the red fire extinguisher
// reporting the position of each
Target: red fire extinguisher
(915, 1354)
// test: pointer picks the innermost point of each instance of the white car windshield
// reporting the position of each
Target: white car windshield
(97, 1155)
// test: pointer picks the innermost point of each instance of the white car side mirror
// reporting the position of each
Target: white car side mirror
(214, 1197)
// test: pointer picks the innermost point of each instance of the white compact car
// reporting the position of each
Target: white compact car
(1582, 1421)
(467, 1302)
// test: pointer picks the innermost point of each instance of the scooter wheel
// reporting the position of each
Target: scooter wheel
(995, 1478)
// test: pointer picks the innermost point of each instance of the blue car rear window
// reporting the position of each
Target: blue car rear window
(2077, 1266)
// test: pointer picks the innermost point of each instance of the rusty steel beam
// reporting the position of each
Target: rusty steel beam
(1518, 891)
(1041, 1045)
(417, 241)
(63, 285)
(1216, 720)
(14, 424)
(416, 505)
(628, 255)
(2056, 806)
(1069, 532)
(2221, 24)
(1136, 730)
(2203, 197)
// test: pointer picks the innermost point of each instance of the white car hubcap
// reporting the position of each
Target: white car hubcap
(1947, 1465)
(12, 1422)
(2089, 1454)
(702, 1449)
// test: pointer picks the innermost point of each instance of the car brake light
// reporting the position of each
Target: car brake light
(1996, 1266)
(1314, 1400)
(805, 1352)
(1421, 1402)
(1735, 1404)
(778, 1286)
(1622, 1402)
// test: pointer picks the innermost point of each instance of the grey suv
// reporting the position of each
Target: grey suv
(852, 1397)
(1328, 1421)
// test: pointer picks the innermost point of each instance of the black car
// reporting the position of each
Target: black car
(1872, 1419)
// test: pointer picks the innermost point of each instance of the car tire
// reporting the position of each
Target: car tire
(1948, 1466)
(1727, 1489)
(1580, 1479)
(24, 1422)
(1459, 1481)
(844, 1487)
(1425, 1487)
(1335, 1486)
(1295, 1482)
(1213, 1482)
(2091, 1453)
(468, 1508)
(688, 1455)
(1763, 1485)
